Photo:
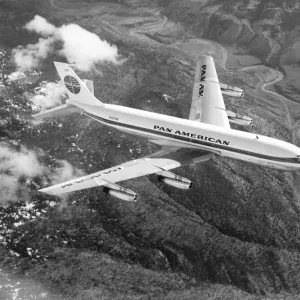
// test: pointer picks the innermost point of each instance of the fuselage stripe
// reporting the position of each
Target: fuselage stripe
(194, 141)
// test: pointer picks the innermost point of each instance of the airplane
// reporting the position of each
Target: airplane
(206, 134)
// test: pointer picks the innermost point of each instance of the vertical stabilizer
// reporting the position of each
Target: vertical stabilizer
(89, 84)
(75, 87)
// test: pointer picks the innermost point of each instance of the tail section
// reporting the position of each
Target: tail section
(89, 84)
(58, 111)
(77, 90)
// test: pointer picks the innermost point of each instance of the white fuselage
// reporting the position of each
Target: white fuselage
(171, 131)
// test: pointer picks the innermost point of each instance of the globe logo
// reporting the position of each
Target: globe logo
(72, 84)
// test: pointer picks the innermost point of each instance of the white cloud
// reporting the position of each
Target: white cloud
(40, 25)
(9, 187)
(77, 45)
(84, 48)
(23, 162)
(30, 56)
(14, 164)
(64, 172)
(19, 163)
(50, 95)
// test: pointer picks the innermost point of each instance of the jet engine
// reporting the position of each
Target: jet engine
(178, 183)
(122, 195)
(238, 119)
(231, 90)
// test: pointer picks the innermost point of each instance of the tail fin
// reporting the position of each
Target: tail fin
(76, 89)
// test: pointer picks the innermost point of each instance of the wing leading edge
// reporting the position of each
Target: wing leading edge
(207, 100)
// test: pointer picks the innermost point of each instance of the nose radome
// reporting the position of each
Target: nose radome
(279, 148)
(294, 151)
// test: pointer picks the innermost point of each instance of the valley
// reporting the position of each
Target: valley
(236, 235)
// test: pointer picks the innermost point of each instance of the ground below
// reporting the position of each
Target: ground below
(236, 235)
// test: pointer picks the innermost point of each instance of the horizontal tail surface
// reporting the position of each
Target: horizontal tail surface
(58, 111)
(77, 90)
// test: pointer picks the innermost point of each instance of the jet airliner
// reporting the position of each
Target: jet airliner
(206, 134)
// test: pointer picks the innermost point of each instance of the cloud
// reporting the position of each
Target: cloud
(50, 95)
(79, 46)
(9, 187)
(84, 48)
(30, 56)
(19, 163)
(13, 165)
(65, 171)
(40, 25)
(25, 163)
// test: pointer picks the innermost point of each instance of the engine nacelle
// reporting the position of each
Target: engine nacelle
(122, 195)
(181, 184)
(238, 119)
(231, 90)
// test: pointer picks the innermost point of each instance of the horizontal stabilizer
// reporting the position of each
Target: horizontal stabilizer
(58, 111)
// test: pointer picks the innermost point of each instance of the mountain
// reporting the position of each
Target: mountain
(236, 234)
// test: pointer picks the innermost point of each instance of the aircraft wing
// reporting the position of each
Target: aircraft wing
(207, 101)
(159, 162)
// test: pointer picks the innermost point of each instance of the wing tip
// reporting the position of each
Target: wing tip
(44, 191)
(202, 57)
(59, 63)
(48, 190)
